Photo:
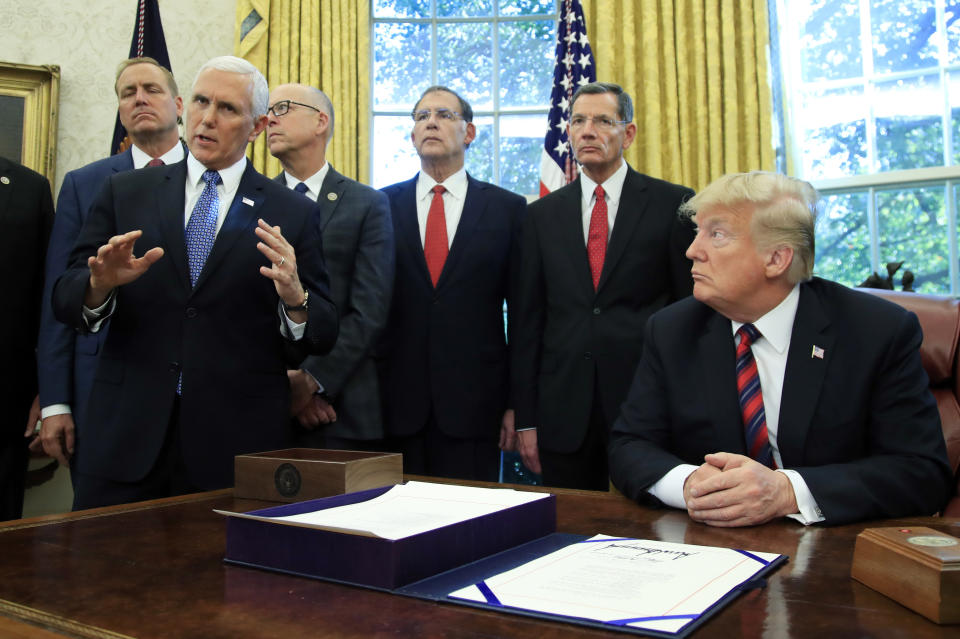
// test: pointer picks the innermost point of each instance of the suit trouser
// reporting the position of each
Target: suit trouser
(586, 467)
(168, 477)
(432, 452)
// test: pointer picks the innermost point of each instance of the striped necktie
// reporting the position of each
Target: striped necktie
(751, 398)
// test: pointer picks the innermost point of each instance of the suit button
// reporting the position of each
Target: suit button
(588, 355)
(596, 310)
(174, 367)
(191, 312)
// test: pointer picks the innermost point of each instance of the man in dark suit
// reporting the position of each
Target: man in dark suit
(26, 213)
(204, 325)
(149, 106)
(772, 394)
(600, 255)
(336, 397)
(445, 369)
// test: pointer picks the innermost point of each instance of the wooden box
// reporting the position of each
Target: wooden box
(297, 474)
(917, 566)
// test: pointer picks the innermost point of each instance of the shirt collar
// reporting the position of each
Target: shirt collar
(776, 325)
(613, 186)
(314, 182)
(230, 175)
(141, 157)
(456, 184)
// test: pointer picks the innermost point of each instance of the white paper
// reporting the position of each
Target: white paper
(415, 507)
(611, 579)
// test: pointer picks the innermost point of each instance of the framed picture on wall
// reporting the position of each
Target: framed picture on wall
(29, 99)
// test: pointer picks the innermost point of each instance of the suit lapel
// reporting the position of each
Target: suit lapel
(570, 227)
(408, 229)
(169, 203)
(7, 184)
(633, 204)
(803, 378)
(474, 205)
(240, 220)
(719, 384)
(331, 193)
(122, 162)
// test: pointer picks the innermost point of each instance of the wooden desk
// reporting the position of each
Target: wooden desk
(154, 570)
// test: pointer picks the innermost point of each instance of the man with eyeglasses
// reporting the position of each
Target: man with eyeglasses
(600, 255)
(445, 365)
(149, 107)
(336, 397)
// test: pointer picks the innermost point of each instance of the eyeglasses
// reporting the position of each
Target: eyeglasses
(281, 107)
(600, 121)
(442, 114)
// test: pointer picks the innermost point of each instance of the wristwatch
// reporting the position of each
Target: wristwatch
(302, 306)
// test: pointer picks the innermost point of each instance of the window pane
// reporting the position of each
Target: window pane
(843, 239)
(909, 123)
(464, 8)
(913, 229)
(903, 34)
(479, 160)
(527, 7)
(521, 143)
(394, 158)
(829, 39)
(951, 15)
(526, 62)
(401, 8)
(834, 140)
(953, 84)
(465, 61)
(401, 64)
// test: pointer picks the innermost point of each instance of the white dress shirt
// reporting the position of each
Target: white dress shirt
(612, 189)
(314, 182)
(453, 199)
(770, 353)
(141, 157)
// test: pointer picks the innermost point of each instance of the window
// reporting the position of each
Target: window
(873, 111)
(497, 54)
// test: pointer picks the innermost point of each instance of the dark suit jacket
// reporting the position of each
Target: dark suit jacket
(223, 335)
(26, 215)
(859, 425)
(66, 358)
(444, 349)
(359, 253)
(571, 337)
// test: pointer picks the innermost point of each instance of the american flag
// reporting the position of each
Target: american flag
(148, 41)
(574, 67)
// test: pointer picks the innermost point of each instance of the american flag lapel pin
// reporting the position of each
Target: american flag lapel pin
(817, 352)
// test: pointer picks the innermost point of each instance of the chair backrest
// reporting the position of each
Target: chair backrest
(940, 320)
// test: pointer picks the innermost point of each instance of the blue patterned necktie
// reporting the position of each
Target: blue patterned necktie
(201, 229)
(301, 188)
(751, 398)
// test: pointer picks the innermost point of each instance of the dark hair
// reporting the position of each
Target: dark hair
(624, 103)
(466, 112)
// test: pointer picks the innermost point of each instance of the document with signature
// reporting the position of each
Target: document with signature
(637, 583)
(413, 508)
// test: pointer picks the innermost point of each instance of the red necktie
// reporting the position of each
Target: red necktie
(597, 236)
(435, 245)
(155, 162)
(751, 398)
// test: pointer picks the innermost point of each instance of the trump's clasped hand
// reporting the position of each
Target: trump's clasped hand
(735, 490)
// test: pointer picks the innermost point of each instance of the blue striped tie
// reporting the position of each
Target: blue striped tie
(751, 398)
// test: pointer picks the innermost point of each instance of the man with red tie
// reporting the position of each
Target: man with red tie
(600, 255)
(773, 393)
(444, 365)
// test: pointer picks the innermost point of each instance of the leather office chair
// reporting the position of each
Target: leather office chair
(940, 320)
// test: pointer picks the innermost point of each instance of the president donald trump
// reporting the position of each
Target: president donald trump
(771, 393)
(228, 292)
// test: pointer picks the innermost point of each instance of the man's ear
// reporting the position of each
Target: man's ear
(778, 261)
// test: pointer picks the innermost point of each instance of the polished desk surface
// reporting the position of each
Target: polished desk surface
(155, 569)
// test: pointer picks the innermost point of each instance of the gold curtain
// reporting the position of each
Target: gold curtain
(323, 43)
(697, 72)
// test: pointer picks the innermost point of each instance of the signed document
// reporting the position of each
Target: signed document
(643, 584)
(413, 508)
